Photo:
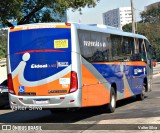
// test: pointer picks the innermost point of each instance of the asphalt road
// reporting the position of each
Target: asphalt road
(129, 111)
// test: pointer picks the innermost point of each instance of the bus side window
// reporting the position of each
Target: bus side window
(134, 50)
(138, 53)
(116, 48)
(127, 48)
(95, 46)
(142, 50)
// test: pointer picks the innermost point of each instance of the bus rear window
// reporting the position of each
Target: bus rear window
(40, 39)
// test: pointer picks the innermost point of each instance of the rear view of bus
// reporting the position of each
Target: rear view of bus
(40, 68)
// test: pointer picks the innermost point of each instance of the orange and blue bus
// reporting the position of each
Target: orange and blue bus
(65, 66)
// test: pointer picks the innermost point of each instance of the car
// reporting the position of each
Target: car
(4, 100)
(153, 63)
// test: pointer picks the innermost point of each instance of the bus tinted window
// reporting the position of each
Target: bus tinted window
(122, 48)
(39, 39)
(116, 47)
(95, 46)
(142, 50)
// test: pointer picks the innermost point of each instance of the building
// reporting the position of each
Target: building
(154, 5)
(118, 17)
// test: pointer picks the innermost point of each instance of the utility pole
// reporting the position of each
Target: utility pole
(133, 17)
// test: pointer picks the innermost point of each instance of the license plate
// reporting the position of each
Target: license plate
(41, 101)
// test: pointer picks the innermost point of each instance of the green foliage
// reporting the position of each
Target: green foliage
(152, 32)
(3, 44)
(152, 15)
(10, 9)
(33, 11)
(149, 28)
(127, 27)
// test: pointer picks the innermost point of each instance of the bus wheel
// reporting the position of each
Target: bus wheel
(142, 95)
(110, 108)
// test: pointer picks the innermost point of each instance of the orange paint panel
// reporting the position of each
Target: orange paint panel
(16, 29)
(62, 26)
(85, 96)
(127, 93)
(87, 77)
(16, 84)
(93, 93)
(97, 95)
(108, 63)
(37, 27)
(137, 63)
(42, 90)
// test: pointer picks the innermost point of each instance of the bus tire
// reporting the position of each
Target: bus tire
(111, 106)
(142, 95)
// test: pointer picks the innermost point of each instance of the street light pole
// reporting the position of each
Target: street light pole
(133, 19)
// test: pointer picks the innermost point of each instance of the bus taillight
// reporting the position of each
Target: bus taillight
(68, 24)
(10, 85)
(74, 82)
(12, 27)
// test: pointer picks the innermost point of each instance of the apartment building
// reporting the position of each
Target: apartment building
(118, 17)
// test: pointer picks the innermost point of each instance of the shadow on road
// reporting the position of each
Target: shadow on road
(45, 116)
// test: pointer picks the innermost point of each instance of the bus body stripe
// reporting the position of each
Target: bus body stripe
(38, 51)
(135, 63)
(14, 29)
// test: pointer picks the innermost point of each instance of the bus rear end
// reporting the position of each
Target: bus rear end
(40, 68)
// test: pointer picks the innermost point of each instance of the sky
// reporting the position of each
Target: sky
(94, 15)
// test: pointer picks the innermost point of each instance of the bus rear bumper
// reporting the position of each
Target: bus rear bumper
(72, 100)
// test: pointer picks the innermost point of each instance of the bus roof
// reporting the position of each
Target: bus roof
(91, 27)
(38, 25)
(108, 29)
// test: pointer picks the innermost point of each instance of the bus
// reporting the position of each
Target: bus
(71, 65)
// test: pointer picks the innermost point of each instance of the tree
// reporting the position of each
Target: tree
(3, 42)
(10, 9)
(151, 31)
(152, 15)
(149, 27)
(33, 11)
(127, 27)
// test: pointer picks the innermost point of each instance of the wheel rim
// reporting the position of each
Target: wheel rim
(113, 101)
